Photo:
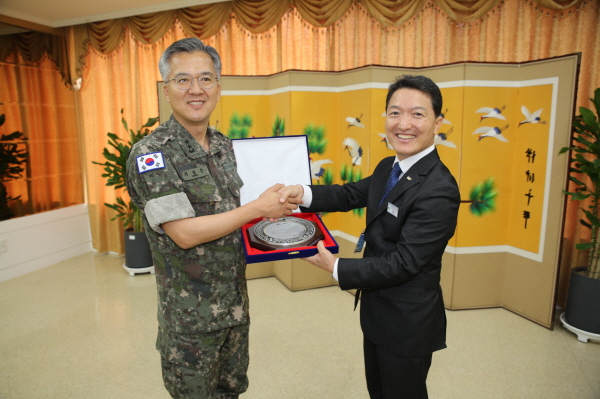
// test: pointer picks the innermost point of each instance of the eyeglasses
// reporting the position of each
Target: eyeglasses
(184, 82)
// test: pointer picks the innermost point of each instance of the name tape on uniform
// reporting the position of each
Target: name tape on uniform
(149, 162)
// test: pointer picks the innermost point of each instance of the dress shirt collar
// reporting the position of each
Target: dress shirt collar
(406, 164)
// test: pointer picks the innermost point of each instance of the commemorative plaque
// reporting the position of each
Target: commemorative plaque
(288, 232)
(294, 236)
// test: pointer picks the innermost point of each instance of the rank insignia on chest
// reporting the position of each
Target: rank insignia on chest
(149, 162)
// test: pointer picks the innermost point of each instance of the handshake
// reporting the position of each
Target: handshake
(279, 201)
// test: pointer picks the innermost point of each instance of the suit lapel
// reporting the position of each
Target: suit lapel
(380, 180)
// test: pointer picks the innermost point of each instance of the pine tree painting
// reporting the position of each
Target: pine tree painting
(316, 139)
(354, 177)
(482, 198)
(239, 127)
(278, 128)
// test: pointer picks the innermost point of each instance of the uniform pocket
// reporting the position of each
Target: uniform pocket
(200, 185)
(234, 181)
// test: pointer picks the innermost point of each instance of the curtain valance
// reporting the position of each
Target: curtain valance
(204, 21)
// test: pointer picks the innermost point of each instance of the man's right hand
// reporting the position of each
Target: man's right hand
(271, 204)
(293, 193)
(189, 232)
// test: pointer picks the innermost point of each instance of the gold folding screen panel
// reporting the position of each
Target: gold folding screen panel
(503, 127)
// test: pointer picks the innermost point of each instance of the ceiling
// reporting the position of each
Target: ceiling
(45, 15)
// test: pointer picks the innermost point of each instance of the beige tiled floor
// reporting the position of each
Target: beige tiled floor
(85, 329)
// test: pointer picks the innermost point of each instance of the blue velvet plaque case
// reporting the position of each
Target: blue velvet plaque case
(263, 162)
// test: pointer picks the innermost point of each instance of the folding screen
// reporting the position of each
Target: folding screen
(503, 127)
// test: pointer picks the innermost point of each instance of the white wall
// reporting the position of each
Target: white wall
(40, 240)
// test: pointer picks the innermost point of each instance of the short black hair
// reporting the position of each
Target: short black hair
(421, 83)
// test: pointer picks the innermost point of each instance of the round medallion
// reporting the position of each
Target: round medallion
(285, 233)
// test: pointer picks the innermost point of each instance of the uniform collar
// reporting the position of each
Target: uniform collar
(188, 143)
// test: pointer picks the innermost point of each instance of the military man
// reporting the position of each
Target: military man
(183, 178)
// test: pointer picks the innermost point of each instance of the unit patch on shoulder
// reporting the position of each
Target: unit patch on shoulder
(149, 162)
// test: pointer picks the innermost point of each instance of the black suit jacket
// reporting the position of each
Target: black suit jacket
(402, 307)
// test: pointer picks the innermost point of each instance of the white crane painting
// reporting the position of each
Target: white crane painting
(354, 122)
(491, 113)
(495, 132)
(316, 168)
(531, 117)
(442, 139)
(354, 150)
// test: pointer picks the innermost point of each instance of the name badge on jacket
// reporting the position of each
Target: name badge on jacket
(392, 209)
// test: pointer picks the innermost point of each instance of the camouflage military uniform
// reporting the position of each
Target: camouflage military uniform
(202, 293)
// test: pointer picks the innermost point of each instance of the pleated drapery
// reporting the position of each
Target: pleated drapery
(36, 102)
(255, 16)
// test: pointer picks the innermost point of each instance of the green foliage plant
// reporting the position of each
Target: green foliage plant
(585, 176)
(116, 175)
(12, 162)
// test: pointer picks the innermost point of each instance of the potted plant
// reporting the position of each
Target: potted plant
(137, 249)
(12, 160)
(582, 312)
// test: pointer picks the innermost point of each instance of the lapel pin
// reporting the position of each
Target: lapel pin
(408, 178)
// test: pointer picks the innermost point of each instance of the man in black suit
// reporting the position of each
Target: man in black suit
(407, 229)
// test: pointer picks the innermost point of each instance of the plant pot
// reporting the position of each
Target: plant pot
(583, 302)
(137, 250)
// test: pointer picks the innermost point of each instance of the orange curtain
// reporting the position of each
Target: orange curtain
(126, 79)
(34, 47)
(509, 31)
(37, 103)
(259, 16)
(255, 36)
(256, 16)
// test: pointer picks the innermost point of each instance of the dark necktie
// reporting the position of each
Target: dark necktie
(393, 179)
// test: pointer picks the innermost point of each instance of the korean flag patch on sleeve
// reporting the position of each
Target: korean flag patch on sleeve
(149, 162)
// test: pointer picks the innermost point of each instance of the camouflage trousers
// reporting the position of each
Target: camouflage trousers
(207, 365)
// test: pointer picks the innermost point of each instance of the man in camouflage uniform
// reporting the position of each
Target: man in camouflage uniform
(183, 178)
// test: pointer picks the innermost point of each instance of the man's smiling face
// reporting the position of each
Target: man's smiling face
(410, 123)
(193, 107)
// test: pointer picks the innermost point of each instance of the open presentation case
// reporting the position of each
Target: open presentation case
(263, 162)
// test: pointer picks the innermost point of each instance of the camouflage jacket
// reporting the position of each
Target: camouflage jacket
(170, 177)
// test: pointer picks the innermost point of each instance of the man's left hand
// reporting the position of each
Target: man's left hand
(324, 259)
